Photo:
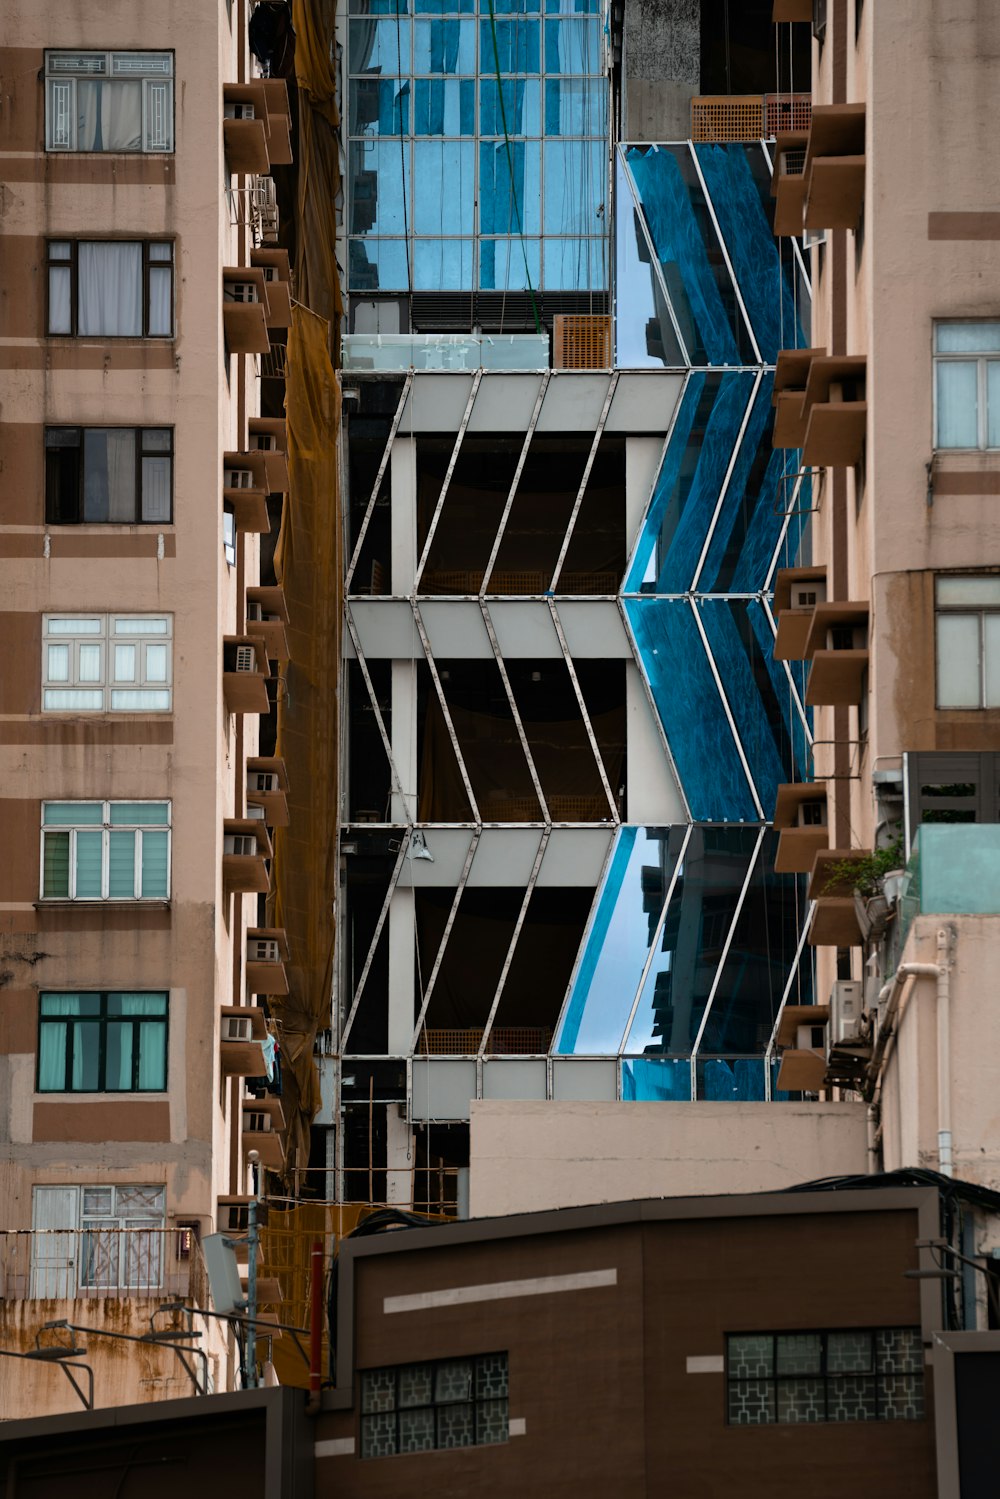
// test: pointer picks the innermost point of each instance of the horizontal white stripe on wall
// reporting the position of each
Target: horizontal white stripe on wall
(705, 1363)
(336, 1447)
(500, 1290)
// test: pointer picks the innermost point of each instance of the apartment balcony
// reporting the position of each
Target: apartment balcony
(244, 1041)
(244, 127)
(266, 618)
(245, 309)
(837, 646)
(279, 123)
(800, 816)
(246, 850)
(262, 1122)
(820, 406)
(277, 279)
(267, 954)
(267, 787)
(819, 174)
(74, 1264)
(244, 491)
(954, 870)
(268, 437)
(444, 351)
(835, 921)
(801, 1037)
(797, 591)
(245, 674)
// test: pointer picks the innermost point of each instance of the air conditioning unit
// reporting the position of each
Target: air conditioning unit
(238, 112)
(262, 780)
(264, 442)
(811, 1038)
(846, 1001)
(847, 637)
(233, 1216)
(237, 1028)
(255, 612)
(808, 595)
(243, 292)
(238, 478)
(246, 658)
(263, 950)
(242, 844)
(811, 815)
(270, 272)
(258, 1122)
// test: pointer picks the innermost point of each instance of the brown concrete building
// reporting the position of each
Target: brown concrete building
(894, 409)
(142, 289)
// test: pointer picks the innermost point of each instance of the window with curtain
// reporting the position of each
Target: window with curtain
(112, 475)
(111, 288)
(107, 663)
(967, 631)
(102, 1043)
(967, 385)
(109, 101)
(105, 851)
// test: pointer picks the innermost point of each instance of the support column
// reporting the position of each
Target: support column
(398, 1157)
(403, 529)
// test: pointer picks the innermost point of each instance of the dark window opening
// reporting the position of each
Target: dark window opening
(471, 511)
(109, 475)
(368, 765)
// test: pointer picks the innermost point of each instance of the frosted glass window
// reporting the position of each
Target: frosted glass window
(957, 404)
(58, 663)
(958, 664)
(967, 389)
(156, 663)
(125, 663)
(90, 663)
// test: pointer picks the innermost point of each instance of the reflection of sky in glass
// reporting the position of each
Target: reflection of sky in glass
(619, 940)
(644, 334)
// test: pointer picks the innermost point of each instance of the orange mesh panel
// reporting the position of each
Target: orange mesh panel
(582, 341)
(727, 117)
(785, 112)
(505, 1040)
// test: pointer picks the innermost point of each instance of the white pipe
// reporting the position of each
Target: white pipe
(945, 1155)
(897, 991)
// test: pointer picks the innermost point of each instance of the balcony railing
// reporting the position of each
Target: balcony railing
(748, 117)
(100, 1260)
(954, 870)
(445, 351)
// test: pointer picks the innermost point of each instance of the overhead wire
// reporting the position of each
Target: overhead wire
(510, 167)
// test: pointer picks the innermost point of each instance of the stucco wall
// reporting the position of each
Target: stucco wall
(528, 1156)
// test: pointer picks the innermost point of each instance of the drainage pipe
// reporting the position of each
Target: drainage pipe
(897, 992)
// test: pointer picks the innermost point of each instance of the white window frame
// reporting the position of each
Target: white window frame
(157, 79)
(110, 630)
(981, 361)
(979, 612)
(105, 828)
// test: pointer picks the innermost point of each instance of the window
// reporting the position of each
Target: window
(102, 1043)
(857, 1375)
(109, 101)
(455, 1402)
(105, 850)
(100, 1241)
(119, 475)
(967, 627)
(107, 663)
(103, 288)
(229, 536)
(967, 385)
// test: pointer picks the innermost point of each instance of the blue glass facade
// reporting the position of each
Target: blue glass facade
(695, 938)
(477, 145)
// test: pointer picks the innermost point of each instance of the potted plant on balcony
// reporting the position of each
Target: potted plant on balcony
(869, 877)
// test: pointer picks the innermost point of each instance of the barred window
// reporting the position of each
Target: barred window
(857, 1374)
(109, 101)
(455, 1402)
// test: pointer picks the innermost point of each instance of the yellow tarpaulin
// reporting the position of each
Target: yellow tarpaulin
(316, 277)
(308, 565)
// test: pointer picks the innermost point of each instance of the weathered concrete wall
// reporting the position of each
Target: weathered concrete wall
(528, 1156)
(662, 65)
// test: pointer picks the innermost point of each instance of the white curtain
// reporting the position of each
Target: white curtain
(109, 116)
(161, 323)
(957, 404)
(121, 475)
(156, 489)
(109, 289)
(60, 281)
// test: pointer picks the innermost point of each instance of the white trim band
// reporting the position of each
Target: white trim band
(500, 1290)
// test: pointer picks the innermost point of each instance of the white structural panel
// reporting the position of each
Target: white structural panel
(594, 630)
(524, 629)
(575, 857)
(447, 848)
(443, 1087)
(505, 403)
(654, 795)
(386, 628)
(455, 629)
(514, 1077)
(587, 1078)
(573, 402)
(505, 856)
(644, 402)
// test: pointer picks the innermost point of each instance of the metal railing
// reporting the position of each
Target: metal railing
(99, 1260)
(717, 118)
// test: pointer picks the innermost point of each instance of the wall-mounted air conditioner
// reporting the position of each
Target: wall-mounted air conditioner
(811, 815)
(846, 1000)
(242, 111)
(808, 594)
(257, 1122)
(237, 1028)
(264, 442)
(847, 637)
(255, 611)
(270, 272)
(238, 478)
(242, 844)
(244, 292)
(810, 1038)
(263, 950)
(262, 780)
(246, 658)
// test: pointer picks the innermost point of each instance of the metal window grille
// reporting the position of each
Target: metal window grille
(461, 1402)
(850, 1374)
(582, 342)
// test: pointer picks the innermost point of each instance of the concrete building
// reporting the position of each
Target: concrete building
(146, 308)
(894, 410)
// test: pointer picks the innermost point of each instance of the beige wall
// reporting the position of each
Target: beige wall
(530, 1156)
